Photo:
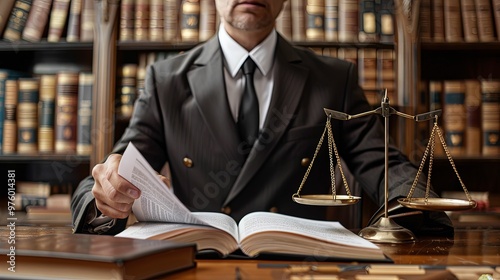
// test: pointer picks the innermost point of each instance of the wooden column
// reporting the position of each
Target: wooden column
(104, 68)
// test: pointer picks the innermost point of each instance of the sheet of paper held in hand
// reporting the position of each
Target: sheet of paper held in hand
(157, 201)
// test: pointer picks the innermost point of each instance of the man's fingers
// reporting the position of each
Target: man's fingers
(120, 211)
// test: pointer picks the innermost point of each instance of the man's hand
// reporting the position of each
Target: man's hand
(114, 195)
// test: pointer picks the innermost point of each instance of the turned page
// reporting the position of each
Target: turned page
(332, 232)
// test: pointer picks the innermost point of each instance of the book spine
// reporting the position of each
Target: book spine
(348, 21)
(127, 20)
(298, 11)
(425, 21)
(128, 89)
(190, 21)
(315, 20)
(58, 16)
(22, 201)
(473, 117)
(454, 114)
(17, 20)
(47, 113)
(84, 121)
(141, 23)
(331, 20)
(208, 16)
(367, 68)
(74, 21)
(437, 13)
(37, 19)
(490, 117)
(367, 21)
(5, 9)
(386, 73)
(485, 21)
(3, 79)
(348, 54)
(452, 21)
(385, 18)
(469, 18)
(284, 21)
(87, 21)
(66, 112)
(156, 24)
(436, 103)
(171, 21)
(10, 120)
(27, 131)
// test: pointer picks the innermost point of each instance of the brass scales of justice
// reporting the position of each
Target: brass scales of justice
(385, 230)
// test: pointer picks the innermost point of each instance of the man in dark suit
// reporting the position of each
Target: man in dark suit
(190, 115)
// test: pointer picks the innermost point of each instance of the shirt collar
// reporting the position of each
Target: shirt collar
(235, 55)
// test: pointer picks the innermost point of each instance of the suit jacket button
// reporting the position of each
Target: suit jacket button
(226, 210)
(305, 162)
(188, 162)
(273, 209)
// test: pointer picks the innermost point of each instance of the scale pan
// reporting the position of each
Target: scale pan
(437, 204)
(325, 199)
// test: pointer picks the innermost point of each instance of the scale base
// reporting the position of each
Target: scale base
(386, 230)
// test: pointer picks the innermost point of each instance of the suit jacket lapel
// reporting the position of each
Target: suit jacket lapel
(287, 92)
(208, 87)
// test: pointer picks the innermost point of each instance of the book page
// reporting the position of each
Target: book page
(332, 232)
(157, 202)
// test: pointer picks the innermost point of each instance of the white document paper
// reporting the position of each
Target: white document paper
(157, 202)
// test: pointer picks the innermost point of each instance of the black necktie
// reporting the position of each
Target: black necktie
(248, 117)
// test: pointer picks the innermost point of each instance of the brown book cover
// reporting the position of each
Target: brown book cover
(298, 12)
(452, 21)
(386, 22)
(87, 21)
(10, 121)
(425, 21)
(469, 18)
(490, 117)
(496, 15)
(348, 54)
(66, 112)
(190, 21)
(367, 68)
(5, 9)
(95, 257)
(156, 17)
(284, 21)
(171, 21)
(17, 20)
(386, 73)
(128, 89)
(473, 117)
(485, 21)
(37, 20)
(27, 118)
(47, 113)
(437, 20)
(58, 16)
(141, 23)
(74, 21)
(208, 18)
(84, 121)
(454, 116)
(367, 21)
(127, 20)
(348, 21)
(315, 20)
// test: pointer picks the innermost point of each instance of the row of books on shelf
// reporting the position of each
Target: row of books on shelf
(460, 20)
(55, 20)
(45, 114)
(301, 20)
(470, 114)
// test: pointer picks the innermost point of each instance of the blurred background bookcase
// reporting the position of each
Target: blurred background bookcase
(127, 37)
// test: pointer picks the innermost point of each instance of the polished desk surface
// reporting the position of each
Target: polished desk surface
(468, 247)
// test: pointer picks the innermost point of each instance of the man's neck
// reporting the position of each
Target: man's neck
(247, 39)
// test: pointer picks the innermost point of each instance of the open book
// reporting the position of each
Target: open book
(162, 216)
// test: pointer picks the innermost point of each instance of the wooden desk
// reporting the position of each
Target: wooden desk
(468, 247)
